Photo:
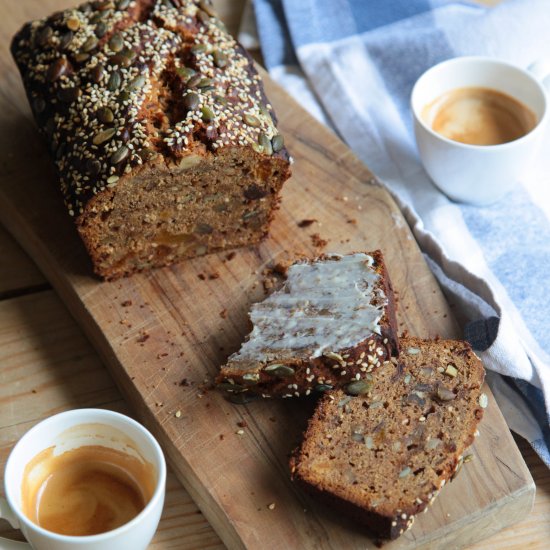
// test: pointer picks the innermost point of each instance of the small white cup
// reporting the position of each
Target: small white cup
(69, 430)
(478, 174)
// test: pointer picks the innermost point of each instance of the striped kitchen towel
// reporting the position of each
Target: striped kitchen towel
(353, 63)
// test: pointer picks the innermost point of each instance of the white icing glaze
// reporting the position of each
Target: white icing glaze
(331, 304)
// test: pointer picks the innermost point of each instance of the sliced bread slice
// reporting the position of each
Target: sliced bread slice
(332, 322)
(383, 453)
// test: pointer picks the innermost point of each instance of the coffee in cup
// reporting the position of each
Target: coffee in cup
(479, 116)
(85, 491)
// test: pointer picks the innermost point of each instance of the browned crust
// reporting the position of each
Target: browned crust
(322, 373)
(388, 524)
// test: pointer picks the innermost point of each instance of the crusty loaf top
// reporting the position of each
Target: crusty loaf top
(115, 84)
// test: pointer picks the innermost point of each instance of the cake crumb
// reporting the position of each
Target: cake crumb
(242, 424)
(230, 256)
(223, 313)
(126, 303)
(317, 241)
(306, 222)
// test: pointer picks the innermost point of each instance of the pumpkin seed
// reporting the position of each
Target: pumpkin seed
(220, 59)
(100, 29)
(396, 446)
(114, 81)
(207, 114)
(122, 4)
(433, 443)
(205, 83)
(105, 135)
(97, 73)
(194, 80)
(468, 458)
(93, 167)
(357, 436)
(376, 405)
(90, 44)
(204, 6)
(191, 101)
(407, 378)
(198, 48)
(57, 69)
(241, 398)
(227, 386)
(185, 72)
(66, 39)
(81, 57)
(257, 147)
(116, 43)
(38, 105)
(105, 115)
(444, 394)
(251, 120)
(279, 371)
(119, 155)
(369, 443)
(278, 143)
(359, 387)
(206, 229)
(111, 180)
(73, 23)
(203, 17)
(123, 96)
(323, 387)
(137, 83)
(251, 377)
(43, 37)
(483, 401)
(404, 472)
(264, 141)
(413, 351)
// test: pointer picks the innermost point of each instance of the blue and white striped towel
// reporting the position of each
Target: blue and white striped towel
(353, 63)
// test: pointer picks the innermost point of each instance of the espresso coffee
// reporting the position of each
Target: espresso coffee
(86, 491)
(479, 116)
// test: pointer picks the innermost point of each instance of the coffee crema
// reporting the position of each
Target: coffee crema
(479, 116)
(85, 491)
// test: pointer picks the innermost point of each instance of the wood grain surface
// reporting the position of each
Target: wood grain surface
(76, 379)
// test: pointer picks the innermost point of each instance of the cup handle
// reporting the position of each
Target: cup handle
(7, 514)
(540, 69)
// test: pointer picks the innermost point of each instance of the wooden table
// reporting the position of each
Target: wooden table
(47, 366)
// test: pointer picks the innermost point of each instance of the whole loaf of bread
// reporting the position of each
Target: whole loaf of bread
(164, 141)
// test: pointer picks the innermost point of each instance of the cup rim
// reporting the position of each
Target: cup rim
(106, 414)
(483, 59)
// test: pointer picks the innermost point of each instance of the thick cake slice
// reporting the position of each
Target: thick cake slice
(164, 141)
(332, 322)
(383, 453)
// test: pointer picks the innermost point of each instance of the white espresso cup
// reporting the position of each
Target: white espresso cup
(478, 174)
(71, 430)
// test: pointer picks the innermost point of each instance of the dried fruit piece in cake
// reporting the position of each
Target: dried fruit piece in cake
(382, 457)
(332, 323)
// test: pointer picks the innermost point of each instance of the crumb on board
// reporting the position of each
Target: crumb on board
(317, 241)
(126, 303)
(271, 506)
(223, 313)
(306, 222)
(242, 424)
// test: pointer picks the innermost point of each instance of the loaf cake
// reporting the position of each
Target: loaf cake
(332, 322)
(381, 449)
(164, 141)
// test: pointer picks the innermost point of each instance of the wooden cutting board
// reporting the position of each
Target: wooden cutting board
(164, 335)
